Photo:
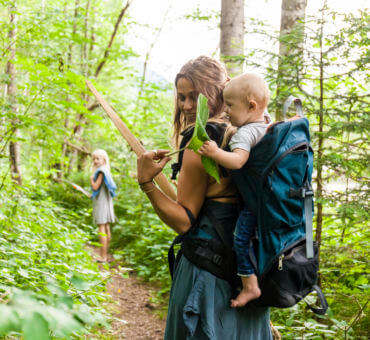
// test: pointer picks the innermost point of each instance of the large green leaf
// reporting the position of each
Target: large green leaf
(200, 136)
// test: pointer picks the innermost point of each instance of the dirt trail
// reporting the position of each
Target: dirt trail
(134, 315)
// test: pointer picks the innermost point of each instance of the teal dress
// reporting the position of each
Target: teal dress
(199, 306)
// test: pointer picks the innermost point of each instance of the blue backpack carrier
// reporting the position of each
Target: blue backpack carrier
(275, 184)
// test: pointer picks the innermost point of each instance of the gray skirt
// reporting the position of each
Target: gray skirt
(103, 211)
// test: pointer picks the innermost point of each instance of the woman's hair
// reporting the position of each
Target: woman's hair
(104, 155)
(208, 77)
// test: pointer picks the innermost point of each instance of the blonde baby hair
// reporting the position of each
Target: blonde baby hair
(250, 86)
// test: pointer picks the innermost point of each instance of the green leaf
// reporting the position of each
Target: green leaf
(200, 136)
(79, 283)
(9, 320)
(36, 328)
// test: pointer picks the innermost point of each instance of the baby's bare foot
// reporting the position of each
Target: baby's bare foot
(245, 296)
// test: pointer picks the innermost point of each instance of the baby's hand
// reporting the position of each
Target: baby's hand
(208, 149)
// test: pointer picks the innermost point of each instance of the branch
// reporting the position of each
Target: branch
(106, 53)
(150, 50)
(160, 179)
(79, 148)
(92, 106)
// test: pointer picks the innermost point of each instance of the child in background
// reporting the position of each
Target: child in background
(104, 189)
(246, 98)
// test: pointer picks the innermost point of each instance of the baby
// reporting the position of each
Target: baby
(246, 98)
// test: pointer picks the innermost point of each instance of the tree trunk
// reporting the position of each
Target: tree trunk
(293, 13)
(320, 151)
(232, 34)
(73, 154)
(14, 146)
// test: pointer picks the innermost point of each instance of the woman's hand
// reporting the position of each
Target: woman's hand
(147, 168)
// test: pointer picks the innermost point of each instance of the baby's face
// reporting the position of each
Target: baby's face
(98, 161)
(236, 108)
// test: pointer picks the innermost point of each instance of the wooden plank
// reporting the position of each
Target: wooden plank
(160, 179)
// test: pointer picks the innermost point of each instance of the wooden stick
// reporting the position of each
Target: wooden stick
(77, 187)
(160, 179)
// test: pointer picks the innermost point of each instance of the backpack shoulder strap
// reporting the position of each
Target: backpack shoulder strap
(215, 131)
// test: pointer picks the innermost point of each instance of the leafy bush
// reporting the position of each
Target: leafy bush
(49, 283)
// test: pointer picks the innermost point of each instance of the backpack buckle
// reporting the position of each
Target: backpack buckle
(300, 193)
(217, 259)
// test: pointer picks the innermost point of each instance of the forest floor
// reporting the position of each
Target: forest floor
(135, 317)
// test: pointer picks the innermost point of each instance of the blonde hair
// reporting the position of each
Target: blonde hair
(250, 86)
(208, 77)
(101, 153)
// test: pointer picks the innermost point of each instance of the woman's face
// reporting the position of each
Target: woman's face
(186, 98)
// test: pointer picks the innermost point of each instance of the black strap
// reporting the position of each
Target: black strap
(221, 196)
(178, 239)
(323, 302)
(215, 131)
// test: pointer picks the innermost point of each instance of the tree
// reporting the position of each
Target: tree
(291, 44)
(11, 86)
(232, 34)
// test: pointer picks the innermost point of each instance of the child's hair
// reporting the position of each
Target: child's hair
(104, 155)
(251, 86)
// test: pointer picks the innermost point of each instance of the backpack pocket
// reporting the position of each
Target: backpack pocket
(290, 278)
(289, 172)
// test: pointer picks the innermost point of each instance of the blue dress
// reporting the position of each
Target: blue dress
(199, 306)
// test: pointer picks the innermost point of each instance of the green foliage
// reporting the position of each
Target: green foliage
(200, 136)
(49, 284)
(139, 238)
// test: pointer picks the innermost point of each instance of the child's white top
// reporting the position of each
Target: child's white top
(247, 136)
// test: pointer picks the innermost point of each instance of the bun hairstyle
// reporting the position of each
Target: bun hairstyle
(209, 77)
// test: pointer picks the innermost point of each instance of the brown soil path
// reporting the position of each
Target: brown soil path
(134, 316)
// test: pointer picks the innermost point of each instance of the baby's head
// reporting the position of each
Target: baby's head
(100, 158)
(246, 98)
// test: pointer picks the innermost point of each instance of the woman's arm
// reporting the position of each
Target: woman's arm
(96, 184)
(191, 189)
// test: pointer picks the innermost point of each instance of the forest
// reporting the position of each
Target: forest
(50, 123)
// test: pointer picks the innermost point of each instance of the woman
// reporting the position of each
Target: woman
(199, 306)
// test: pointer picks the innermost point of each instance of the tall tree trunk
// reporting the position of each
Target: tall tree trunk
(82, 157)
(232, 34)
(73, 153)
(320, 147)
(14, 146)
(293, 14)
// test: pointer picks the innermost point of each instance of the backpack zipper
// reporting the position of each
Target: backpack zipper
(280, 255)
(277, 161)
(280, 265)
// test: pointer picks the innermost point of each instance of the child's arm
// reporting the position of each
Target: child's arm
(96, 184)
(230, 160)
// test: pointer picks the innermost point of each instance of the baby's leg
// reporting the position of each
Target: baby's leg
(250, 291)
(244, 231)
